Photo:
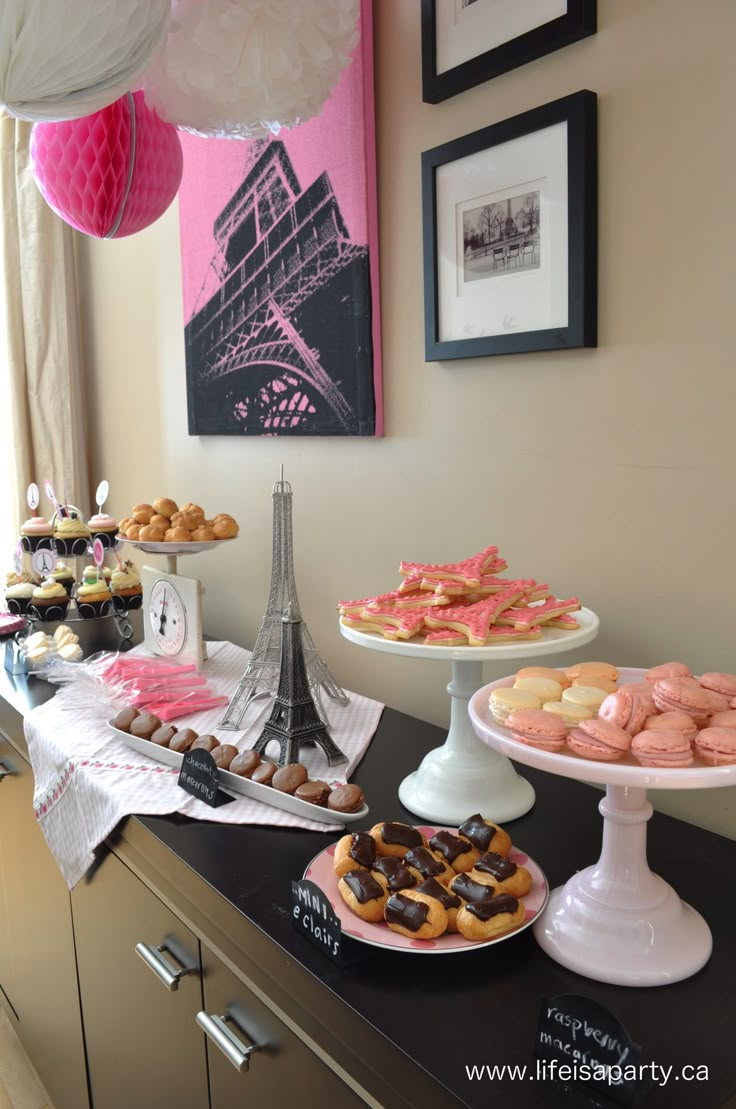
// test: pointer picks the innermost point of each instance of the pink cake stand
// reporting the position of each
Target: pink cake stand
(465, 776)
(615, 921)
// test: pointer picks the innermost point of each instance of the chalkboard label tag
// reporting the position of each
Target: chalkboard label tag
(313, 917)
(200, 777)
(584, 1050)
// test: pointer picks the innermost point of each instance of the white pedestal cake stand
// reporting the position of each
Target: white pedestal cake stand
(616, 921)
(465, 776)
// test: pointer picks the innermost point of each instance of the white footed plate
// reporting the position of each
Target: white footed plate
(625, 772)
(237, 784)
(322, 872)
(174, 548)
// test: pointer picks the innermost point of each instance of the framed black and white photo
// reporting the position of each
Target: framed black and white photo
(510, 235)
(466, 42)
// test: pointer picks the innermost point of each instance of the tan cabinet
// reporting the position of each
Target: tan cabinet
(254, 1059)
(141, 988)
(37, 966)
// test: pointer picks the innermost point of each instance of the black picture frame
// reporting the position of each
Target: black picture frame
(579, 112)
(579, 21)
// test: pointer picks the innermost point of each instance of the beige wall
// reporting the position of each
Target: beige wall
(608, 472)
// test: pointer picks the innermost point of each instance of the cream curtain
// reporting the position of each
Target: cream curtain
(42, 425)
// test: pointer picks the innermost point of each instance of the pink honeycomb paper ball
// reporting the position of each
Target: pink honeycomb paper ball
(109, 174)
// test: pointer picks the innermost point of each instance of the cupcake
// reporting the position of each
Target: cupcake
(18, 595)
(71, 534)
(64, 575)
(104, 528)
(36, 534)
(49, 601)
(127, 591)
(91, 571)
(93, 596)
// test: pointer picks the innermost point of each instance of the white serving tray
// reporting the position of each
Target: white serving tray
(237, 784)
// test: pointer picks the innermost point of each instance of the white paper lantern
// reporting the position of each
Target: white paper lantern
(63, 59)
(243, 68)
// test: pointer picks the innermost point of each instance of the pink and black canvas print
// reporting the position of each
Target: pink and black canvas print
(280, 272)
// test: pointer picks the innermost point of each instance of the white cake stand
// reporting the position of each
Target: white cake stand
(465, 776)
(616, 921)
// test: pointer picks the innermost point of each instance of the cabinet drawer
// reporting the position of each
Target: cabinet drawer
(38, 972)
(144, 1047)
(282, 1067)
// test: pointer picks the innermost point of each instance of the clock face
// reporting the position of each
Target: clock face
(168, 617)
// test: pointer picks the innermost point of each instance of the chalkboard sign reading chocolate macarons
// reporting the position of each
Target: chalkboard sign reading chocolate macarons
(200, 777)
(583, 1049)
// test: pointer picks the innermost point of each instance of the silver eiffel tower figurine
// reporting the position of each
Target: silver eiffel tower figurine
(294, 721)
(261, 677)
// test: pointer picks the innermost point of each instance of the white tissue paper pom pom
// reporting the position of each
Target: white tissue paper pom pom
(244, 68)
(64, 59)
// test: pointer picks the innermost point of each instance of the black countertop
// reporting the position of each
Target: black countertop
(446, 1013)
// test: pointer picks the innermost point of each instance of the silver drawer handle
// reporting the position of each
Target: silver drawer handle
(229, 1044)
(6, 769)
(153, 958)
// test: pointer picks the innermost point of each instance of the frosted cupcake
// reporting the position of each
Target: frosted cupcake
(71, 534)
(36, 534)
(91, 571)
(93, 596)
(18, 593)
(127, 591)
(104, 528)
(64, 575)
(49, 601)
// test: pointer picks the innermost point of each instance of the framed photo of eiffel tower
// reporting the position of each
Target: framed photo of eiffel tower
(280, 272)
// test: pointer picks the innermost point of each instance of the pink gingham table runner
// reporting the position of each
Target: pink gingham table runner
(87, 779)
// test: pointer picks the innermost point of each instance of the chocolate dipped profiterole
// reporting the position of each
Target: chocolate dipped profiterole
(393, 838)
(428, 864)
(396, 873)
(364, 893)
(458, 851)
(449, 901)
(503, 874)
(470, 889)
(482, 920)
(485, 835)
(355, 851)
(415, 915)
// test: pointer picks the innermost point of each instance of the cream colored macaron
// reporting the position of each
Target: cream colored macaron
(589, 696)
(597, 682)
(545, 672)
(570, 714)
(544, 688)
(503, 701)
(593, 669)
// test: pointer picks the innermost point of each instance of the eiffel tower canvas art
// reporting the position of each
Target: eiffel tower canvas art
(280, 272)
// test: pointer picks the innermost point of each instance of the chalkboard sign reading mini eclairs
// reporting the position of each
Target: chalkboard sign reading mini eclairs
(586, 1053)
(314, 917)
(200, 777)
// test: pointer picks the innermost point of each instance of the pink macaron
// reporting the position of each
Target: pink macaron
(673, 722)
(718, 702)
(716, 746)
(600, 740)
(668, 670)
(624, 709)
(682, 695)
(724, 684)
(725, 719)
(659, 747)
(537, 728)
